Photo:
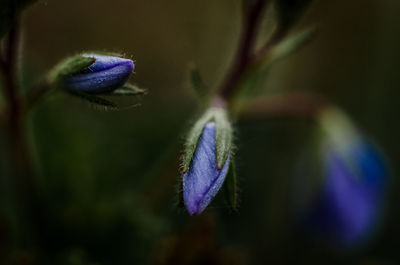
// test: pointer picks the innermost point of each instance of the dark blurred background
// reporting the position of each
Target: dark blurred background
(109, 179)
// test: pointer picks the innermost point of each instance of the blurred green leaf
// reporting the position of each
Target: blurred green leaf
(256, 76)
(127, 90)
(290, 45)
(197, 83)
(181, 202)
(9, 11)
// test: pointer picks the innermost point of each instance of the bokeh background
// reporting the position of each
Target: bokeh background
(109, 179)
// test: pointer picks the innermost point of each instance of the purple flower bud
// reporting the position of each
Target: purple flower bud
(345, 199)
(350, 201)
(203, 179)
(106, 74)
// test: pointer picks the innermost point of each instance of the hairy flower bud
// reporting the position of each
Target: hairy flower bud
(346, 203)
(204, 178)
(104, 75)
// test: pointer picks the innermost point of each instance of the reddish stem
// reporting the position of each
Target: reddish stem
(23, 178)
(291, 105)
(242, 58)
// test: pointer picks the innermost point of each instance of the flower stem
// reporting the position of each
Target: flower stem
(241, 61)
(293, 105)
(23, 177)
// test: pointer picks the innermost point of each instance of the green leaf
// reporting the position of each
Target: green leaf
(230, 186)
(9, 11)
(181, 202)
(193, 138)
(289, 12)
(223, 136)
(127, 90)
(256, 76)
(70, 66)
(290, 45)
(95, 100)
(197, 83)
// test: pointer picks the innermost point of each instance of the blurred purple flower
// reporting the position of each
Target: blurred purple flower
(351, 197)
(203, 179)
(106, 74)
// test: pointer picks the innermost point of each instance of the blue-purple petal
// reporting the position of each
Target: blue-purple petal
(352, 194)
(203, 180)
(106, 74)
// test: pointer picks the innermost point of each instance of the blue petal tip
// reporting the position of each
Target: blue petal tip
(203, 179)
(106, 74)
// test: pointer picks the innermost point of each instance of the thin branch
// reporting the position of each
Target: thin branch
(247, 38)
(277, 36)
(296, 105)
(11, 69)
(24, 179)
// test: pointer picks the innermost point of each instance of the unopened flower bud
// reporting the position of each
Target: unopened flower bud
(206, 160)
(346, 203)
(203, 179)
(104, 75)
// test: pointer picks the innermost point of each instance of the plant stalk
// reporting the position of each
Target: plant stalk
(23, 178)
(242, 59)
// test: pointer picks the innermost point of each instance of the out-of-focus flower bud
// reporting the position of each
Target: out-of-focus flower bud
(345, 193)
(105, 74)
(206, 159)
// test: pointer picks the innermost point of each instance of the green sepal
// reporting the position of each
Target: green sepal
(230, 186)
(223, 136)
(95, 100)
(127, 90)
(181, 202)
(289, 12)
(196, 81)
(193, 138)
(9, 11)
(70, 66)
